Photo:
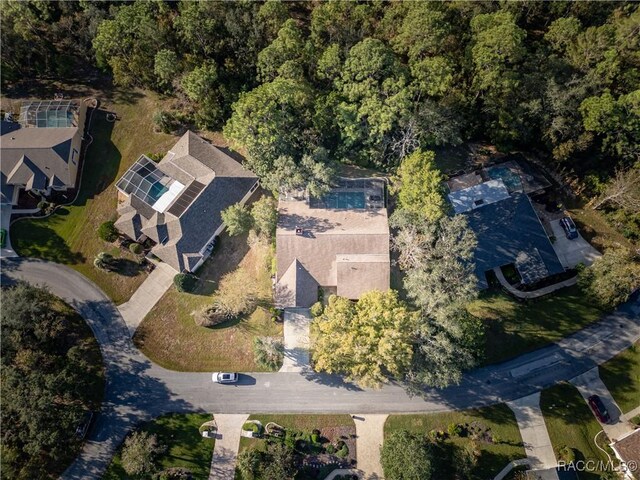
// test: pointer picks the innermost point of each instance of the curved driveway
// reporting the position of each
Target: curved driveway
(138, 390)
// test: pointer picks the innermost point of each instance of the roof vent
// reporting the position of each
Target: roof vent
(299, 231)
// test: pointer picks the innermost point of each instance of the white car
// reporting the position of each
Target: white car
(222, 377)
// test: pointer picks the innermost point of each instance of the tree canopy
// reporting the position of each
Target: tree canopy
(51, 374)
(368, 341)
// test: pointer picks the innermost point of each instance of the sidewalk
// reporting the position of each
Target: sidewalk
(296, 339)
(225, 451)
(533, 430)
(146, 296)
(5, 218)
(369, 439)
(588, 384)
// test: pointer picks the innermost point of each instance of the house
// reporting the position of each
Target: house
(41, 152)
(627, 449)
(177, 203)
(339, 243)
(508, 231)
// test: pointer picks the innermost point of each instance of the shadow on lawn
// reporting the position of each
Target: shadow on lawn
(36, 239)
(564, 402)
(620, 375)
(101, 160)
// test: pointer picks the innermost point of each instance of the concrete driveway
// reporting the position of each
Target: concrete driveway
(589, 383)
(5, 218)
(146, 296)
(572, 252)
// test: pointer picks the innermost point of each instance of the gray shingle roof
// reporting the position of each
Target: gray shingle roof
(193, 161)
(47, 151)
(509, 231)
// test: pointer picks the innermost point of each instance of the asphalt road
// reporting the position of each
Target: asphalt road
(138, 390)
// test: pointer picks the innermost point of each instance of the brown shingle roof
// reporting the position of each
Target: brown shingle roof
(333, 236)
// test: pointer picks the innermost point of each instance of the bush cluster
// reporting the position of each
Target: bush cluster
(184, 282)
(108, 232)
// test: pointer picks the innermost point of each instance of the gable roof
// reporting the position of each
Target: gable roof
(296, 287)
(509, 231)
(212, 181)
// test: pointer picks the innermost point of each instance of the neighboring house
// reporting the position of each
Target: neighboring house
(339, 243)
(41, 152)
(177, 203)
(507, 228)
(627, 449)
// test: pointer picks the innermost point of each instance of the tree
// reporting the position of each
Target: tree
(622, 191)
(280, 464)
(405, 456)
(420, 186)
(185, 282)
(437, 258)
(202, 87)
(139, 452)
(288, 47)
(265, 216)
(51, 372)
(104, 261)
(108, 232)
(612, 278)
(377, 101)
(237, 219)
(616, 121)
(129, 42)
(268, 352)
(272, 121)
(369, 341)
(248, 464)
(166, 66)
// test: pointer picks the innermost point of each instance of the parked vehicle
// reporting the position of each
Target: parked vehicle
(597, 405)
(569, 228)
(222, 377)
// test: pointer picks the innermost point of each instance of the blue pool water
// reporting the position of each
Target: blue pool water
(340, 200)
(510, 179)
(156, 191)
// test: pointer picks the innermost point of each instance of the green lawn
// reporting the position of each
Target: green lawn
(69, 236)
(514, 328)
(498, 419)
(185, 447)
(170, 337)
(571, 424)
(621, 375)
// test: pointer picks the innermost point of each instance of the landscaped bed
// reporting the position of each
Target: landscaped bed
(70, 235)
(321, 443)
(572, 426)
(184, 446)
(621, 375)
(170, 336)
(515, 327)
(494, 431)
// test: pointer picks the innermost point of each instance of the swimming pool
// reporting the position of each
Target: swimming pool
(510, 179)
(340, 200)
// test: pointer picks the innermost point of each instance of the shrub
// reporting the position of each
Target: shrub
(251, 427)
(454, 430)
(42, 205)
(184, 282)
(343, 452)
(268, 352)
(237, 218)
(316, 309)
(107, 232)
(315, 438)
(331, 449)
(139, 452)
(135, 248)
(104, 261)
(566, 454)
